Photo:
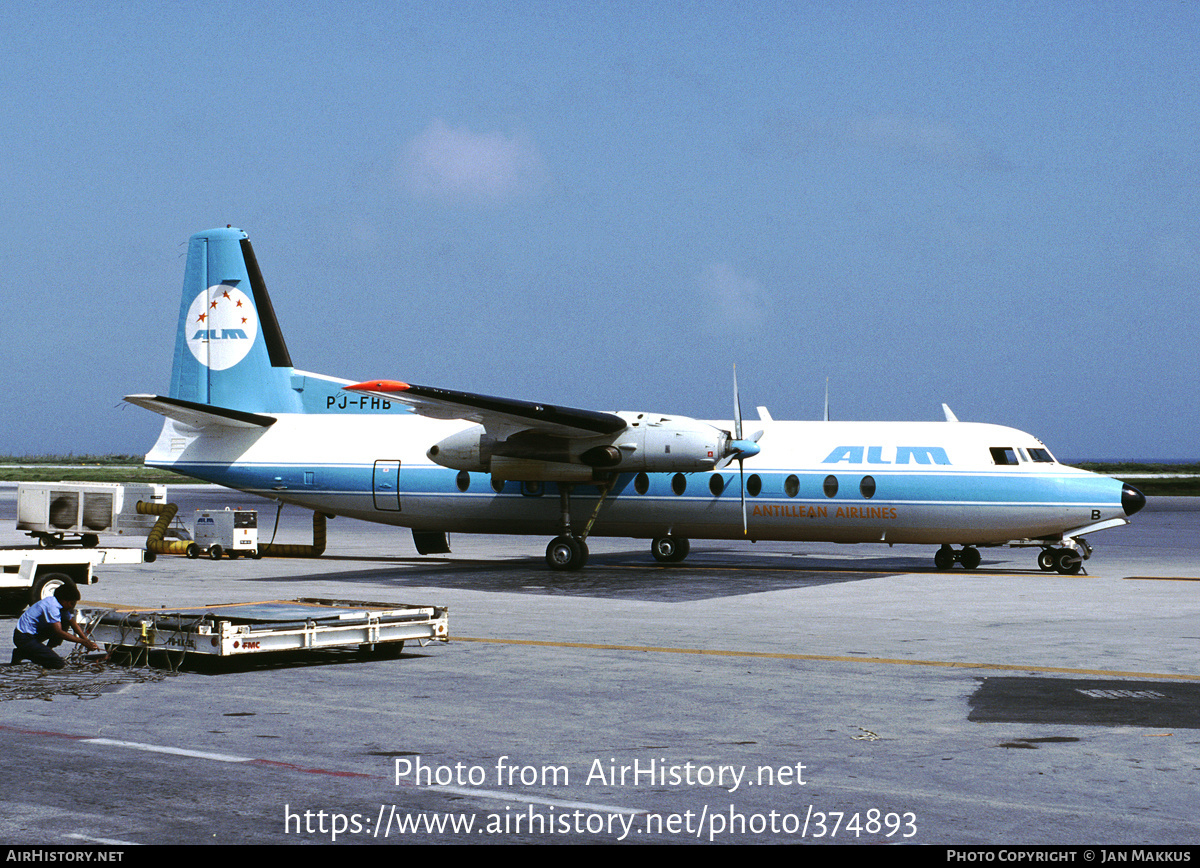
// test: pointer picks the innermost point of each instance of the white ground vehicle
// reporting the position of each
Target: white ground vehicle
(28, 575)
(59, 513)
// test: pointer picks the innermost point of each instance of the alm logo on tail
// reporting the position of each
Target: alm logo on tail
(221, 326)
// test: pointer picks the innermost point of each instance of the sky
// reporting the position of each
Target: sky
(609, 205)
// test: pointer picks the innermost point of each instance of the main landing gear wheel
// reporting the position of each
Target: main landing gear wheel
(566, 553)
(946, 557)
(1045, 559)
(670, 549)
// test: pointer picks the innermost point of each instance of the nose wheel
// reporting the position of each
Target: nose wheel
(1066, 561)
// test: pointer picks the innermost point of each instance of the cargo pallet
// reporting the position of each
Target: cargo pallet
(236, 629)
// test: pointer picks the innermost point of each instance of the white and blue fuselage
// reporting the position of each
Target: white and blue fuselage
(240, 415)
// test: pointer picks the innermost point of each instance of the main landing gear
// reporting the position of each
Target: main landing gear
(567, 551)
(946, 557)
(670, 549)
(570, 552)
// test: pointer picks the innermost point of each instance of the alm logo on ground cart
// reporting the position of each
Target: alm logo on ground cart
(221, 326)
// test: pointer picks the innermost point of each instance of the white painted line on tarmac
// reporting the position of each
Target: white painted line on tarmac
(115, 842)
(473, 792)
(177, 751)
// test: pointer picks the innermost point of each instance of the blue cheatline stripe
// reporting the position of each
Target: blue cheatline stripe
(425, 480)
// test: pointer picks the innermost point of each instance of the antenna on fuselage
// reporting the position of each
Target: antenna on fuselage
(950, 417)
(826, 399)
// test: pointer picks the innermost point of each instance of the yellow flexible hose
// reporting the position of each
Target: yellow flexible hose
(156, 543)
(270, 550)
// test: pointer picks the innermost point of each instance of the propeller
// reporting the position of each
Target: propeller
(741, 448)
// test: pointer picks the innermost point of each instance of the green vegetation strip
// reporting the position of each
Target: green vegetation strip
(1136, 475)
(81, 468)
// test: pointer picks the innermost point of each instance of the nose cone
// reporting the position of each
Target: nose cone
(1132, 500)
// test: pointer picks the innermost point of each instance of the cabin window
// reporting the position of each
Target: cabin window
(1041, 455)
(867, 486)
(791, 485)
(716, 484)
(754, 485)
(679, 483)
(831, 486)
(641, 483)
(463, 480)
(1004, 455)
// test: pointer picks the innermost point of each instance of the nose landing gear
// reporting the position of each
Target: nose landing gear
(1067, 561)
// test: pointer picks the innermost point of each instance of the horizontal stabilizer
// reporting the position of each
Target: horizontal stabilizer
(200, 415)
(495, 414)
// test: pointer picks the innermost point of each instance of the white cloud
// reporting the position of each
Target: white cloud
(457, 166)
(930, 140)
(732, 300)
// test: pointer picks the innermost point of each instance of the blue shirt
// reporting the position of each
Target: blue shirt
(38, 617)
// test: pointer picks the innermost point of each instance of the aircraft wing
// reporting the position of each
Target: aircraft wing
(200, 415)
(499, 416)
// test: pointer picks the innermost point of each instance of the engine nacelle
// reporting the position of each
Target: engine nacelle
(668, 444)
(469, 449)
(649, 442)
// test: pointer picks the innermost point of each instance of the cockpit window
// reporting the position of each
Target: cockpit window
(1041, 455)
(1004, 455)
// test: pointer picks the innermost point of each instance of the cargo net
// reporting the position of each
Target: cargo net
(80, 678)
(83, 676)
(171, 633)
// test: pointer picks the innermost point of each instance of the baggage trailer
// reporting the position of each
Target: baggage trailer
(31, 574)
(235, 629)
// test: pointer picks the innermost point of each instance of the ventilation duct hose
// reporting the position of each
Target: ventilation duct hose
(156, 542)
(166, 513)
(271, 550)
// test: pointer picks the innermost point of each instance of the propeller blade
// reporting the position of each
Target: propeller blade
(737, 446)
(742, 474)
(737, 408)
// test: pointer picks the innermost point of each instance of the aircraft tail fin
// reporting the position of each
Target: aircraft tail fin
(229, 349)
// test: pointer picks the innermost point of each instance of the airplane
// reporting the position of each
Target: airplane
(440, 461)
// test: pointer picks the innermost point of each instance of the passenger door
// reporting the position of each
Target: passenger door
(385, 485)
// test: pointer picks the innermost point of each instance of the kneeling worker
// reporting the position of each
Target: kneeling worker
(46, 621)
